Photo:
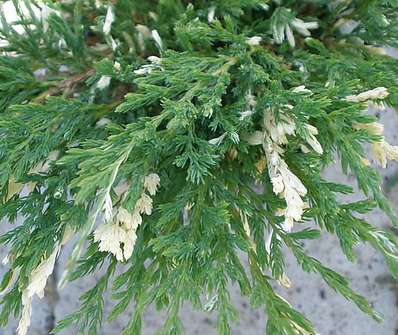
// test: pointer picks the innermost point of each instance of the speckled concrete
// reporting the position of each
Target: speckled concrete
(331, 314)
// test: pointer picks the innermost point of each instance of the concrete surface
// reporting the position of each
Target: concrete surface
(332, 314)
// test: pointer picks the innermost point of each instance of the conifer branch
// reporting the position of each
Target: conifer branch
(171, 138)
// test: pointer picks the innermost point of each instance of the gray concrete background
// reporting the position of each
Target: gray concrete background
(331, 314)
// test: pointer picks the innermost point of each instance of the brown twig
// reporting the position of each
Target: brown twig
(65, 85)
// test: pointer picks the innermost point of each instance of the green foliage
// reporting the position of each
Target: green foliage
(96, 96)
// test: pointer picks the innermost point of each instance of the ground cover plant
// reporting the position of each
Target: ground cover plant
(169, 141)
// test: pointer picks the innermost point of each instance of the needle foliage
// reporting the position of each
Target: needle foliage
(237, 106)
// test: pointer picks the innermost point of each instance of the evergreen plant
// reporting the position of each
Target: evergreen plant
(169, 141)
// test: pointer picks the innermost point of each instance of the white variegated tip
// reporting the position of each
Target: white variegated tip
(383, 152)
(254, 41)
(103, 82)
(156, 37)
(374, 128)
(245, 114)
(211, 14)
(37, 283)
(218, 140)
(376, 93)
(279, 33)
(24, 322)
(312, 140)
(143, 70)
(255, 138)
(287, 185)
(148, 68)
(108, 207)
(301, 89)
(290, 36)
(151, 183)
(39, 276)
(303, 27)
(39, 10)
(109, 19)
(144, 204)
(117, 66)
(300, 24)
(110, 236)
(155, 60)
(119, 235)
(102, 122)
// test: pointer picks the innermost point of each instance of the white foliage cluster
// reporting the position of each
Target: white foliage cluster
(376, 93)
(13, 15)
(37, 283)
(382, 151)
(285, 183)
(119, 233)
(155, 63)
(282, 31)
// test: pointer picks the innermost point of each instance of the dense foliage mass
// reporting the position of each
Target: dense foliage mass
(170, 140)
